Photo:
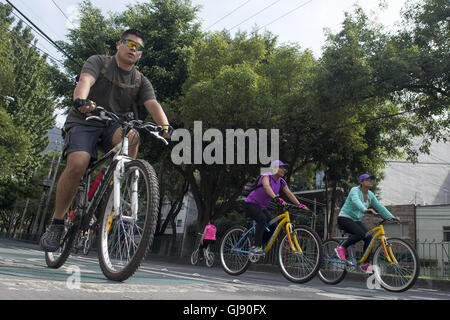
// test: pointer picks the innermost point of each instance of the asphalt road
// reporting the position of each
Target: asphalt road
(25, 276)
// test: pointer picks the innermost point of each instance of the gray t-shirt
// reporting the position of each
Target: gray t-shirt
(108, 94)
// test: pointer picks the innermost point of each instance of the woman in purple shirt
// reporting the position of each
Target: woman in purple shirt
(258, 200)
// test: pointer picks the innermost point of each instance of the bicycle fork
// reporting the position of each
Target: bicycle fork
(292, 238)
(384, 243)
(388, 251)
(133, 187)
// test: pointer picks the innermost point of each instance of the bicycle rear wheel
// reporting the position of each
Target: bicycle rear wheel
(234, 251)
(300, 267)
(71, 229)
(124, 238)
(396, 276)
(333, 269)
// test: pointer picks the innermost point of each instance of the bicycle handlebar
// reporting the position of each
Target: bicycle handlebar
(100, 114)
(292, 206)
(383, 220)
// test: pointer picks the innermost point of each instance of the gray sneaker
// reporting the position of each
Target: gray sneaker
(51, 238)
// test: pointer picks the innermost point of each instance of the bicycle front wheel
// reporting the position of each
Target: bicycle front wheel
(87, 246)
(234, 251)
(125, 236)
(194, 257)
(302, 266)
(333, 269)
(209, 258)
(398, 275)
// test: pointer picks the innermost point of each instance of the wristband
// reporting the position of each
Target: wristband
(301, 206)
(165, 127)
(82, 103)
(278, 199)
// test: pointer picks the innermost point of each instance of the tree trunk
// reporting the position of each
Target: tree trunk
(175, 208)
(161, 193)
(331, 224)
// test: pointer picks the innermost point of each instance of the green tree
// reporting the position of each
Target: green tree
(225, 91)
(374, 95)
(414, 67)
(169, 29)
(27, 118)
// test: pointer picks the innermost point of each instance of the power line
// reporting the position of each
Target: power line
(67, 18)
(265, 8)
(45, 35)
(60, 10)
(43, 50)
(418, 163)
(383, 117)
(284, 15)
(227, 14)
(37, 16)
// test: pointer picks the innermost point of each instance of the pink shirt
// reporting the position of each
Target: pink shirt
(210, 232)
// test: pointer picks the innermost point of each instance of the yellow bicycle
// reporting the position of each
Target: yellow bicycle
(299, 254)
(395, 261)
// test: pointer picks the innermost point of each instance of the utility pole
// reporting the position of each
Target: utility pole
(41, 225)
(45, 185)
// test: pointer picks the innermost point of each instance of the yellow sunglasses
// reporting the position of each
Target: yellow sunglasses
(131, 44)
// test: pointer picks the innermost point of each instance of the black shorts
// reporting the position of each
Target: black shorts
(86, 138)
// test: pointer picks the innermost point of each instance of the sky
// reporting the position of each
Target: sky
(293, 21)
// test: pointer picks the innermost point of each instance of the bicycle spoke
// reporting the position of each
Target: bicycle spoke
(397, 276)
(128, 227)
(234, 252)
(300, 267)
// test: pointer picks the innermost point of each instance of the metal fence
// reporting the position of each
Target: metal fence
(434, 259)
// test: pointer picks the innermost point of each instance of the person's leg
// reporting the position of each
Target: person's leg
(200, 250)
(133, 141)
(367, 239)
(208, 243)
(80, 147)
(268, 234)
(66, 189)
(356, 232)
(254, 212)
(204, 247)
(366, 267)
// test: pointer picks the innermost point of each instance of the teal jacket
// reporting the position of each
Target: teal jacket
(354, 205)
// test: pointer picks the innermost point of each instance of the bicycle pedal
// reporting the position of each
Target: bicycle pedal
(349, 263)
(254, 257)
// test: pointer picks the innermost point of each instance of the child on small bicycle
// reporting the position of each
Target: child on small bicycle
(208, 238)
(258, 200)
(360, 201)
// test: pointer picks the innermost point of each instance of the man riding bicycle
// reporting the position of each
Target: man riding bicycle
(115, 84)
(258, 200)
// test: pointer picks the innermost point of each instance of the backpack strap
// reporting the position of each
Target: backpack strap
(138, 81)
(136, 85)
